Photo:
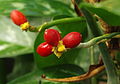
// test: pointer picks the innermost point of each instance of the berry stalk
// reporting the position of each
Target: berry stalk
(98, 40)
(60, 21)
(19, 19)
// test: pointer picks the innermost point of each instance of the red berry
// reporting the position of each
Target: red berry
(44, 49)
(17, 17)
(72, 39)
(52, 36)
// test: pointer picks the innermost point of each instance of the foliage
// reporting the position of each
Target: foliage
(18, 48)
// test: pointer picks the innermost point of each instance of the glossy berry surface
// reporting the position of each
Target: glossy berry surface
(17, 17)
(72, 39)
(52, 37)
(44, 49)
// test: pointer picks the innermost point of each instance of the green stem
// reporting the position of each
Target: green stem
(57, 22)
(92, 60)
(110, 67)
(2, 72)
(97, 40)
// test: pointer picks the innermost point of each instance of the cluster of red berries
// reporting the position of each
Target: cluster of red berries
(53, 40)
(53, 43)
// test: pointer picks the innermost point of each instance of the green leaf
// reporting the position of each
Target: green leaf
(67, 70)
(8, 49)
(64, 70)
(108, 10)
(18, 69)
(28, 78)
(35, 7)
(79, 26)
(67, 57)
(13, 41)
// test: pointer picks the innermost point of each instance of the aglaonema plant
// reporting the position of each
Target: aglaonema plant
(54, 43)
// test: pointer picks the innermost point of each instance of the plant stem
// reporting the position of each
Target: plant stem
(92, 57)
(109, 65)
(2, 72)
(97, 40)
(57, 22)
